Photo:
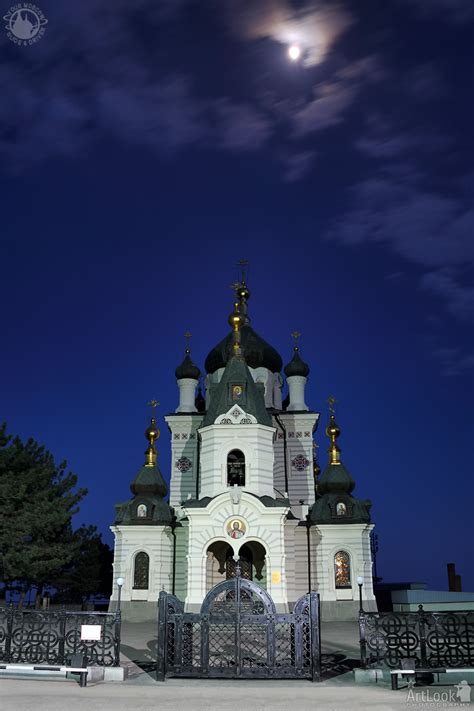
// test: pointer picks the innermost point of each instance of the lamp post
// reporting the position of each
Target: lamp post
(120, 582)
(360, 582)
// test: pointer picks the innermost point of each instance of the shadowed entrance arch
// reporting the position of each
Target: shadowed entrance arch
(221, 564)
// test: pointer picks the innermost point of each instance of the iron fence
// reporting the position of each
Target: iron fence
(239, 634)
(431, 639)
(52, 637)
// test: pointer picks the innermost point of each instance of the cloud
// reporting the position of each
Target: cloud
(425, 227)
(315, 27)
(454, 361)
(240, 126)
(297, 165)
(446, 282)
(327, 109)
(457, 11)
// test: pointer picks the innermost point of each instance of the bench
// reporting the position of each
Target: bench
(395, 673)
(51, 668)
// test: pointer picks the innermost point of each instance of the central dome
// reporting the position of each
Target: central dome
(257, 352)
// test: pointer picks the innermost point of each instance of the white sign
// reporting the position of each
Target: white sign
(91, 632)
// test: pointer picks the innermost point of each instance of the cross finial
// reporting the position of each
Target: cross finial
(188, 336)
(153, 404)
(296, 335)
(243, 264)
(331, 402)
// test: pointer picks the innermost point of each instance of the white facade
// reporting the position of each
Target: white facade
(263, 519)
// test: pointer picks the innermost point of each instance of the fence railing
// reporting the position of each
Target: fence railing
(432, 639)
(52, 637)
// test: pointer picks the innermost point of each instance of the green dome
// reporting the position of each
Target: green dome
(296, 366)
(149, 482)
(336, 479)
(257, 352)
(187, 369)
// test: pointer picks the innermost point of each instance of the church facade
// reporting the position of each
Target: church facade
(244, 486)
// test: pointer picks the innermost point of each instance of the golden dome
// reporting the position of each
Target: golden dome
(152, 433)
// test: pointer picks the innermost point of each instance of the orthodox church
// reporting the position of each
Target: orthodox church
(244, 486)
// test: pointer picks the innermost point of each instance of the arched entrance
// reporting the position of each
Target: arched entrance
(221, 564)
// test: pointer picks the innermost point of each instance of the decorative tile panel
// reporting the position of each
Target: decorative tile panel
(184, 464)
(300, 463)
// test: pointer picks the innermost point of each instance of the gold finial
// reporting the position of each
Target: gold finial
(236, 321)
(296, 335)
(188, 335)
(333, 432)
(153, 404)
(152, 433)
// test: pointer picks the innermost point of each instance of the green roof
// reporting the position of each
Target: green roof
(251, 399)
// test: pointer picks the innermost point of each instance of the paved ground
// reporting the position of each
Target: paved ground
(142, 693)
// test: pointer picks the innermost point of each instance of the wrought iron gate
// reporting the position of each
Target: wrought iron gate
(239, 634)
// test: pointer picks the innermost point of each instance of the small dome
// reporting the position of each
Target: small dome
(335, 479)
(149, 482)
(296, 366)
(187, 369)
(257, 352)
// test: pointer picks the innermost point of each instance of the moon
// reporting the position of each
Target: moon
(294, 52)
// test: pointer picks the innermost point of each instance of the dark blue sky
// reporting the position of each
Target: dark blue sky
(145, 147)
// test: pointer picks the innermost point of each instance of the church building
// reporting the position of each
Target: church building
(244, 486)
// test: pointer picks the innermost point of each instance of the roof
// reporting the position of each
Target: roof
(237, 387)
(296, 366)
(258, 353)
(187, 369)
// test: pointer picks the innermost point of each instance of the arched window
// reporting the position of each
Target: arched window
(141, 511)
(342, 569)
(236, 468)
(341, 509)
(141, 571)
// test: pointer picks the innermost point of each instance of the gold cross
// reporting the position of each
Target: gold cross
(153, 404)
(187, 336)
(331, 402)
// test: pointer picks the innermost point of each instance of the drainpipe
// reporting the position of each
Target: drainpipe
(173, 574)
(284, 452)
(308, 546)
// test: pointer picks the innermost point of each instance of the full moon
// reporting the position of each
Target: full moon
(294, 52)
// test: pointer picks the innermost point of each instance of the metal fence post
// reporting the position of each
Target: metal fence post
(8, 641)
(62, 636)
(314, 614)
(162, 642)
(421, 627)
(118, 634)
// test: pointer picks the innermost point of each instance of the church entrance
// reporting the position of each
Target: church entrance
(221, 564)
(239, 634)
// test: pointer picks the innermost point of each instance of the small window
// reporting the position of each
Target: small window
(141, 571)
(342, 570)
(236, 468)
(341, 509)
(141, 511)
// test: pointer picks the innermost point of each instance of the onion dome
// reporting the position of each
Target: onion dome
(335, 503)
(296, 366)
(149, 480)
(148, 506)
(258, 353)
(187, 369)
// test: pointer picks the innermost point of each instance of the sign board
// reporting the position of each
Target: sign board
(276, 576)
(91, 632)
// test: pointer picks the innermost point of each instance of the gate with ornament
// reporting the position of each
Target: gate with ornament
(238, 634)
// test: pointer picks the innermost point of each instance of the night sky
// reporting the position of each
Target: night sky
(148, 145)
